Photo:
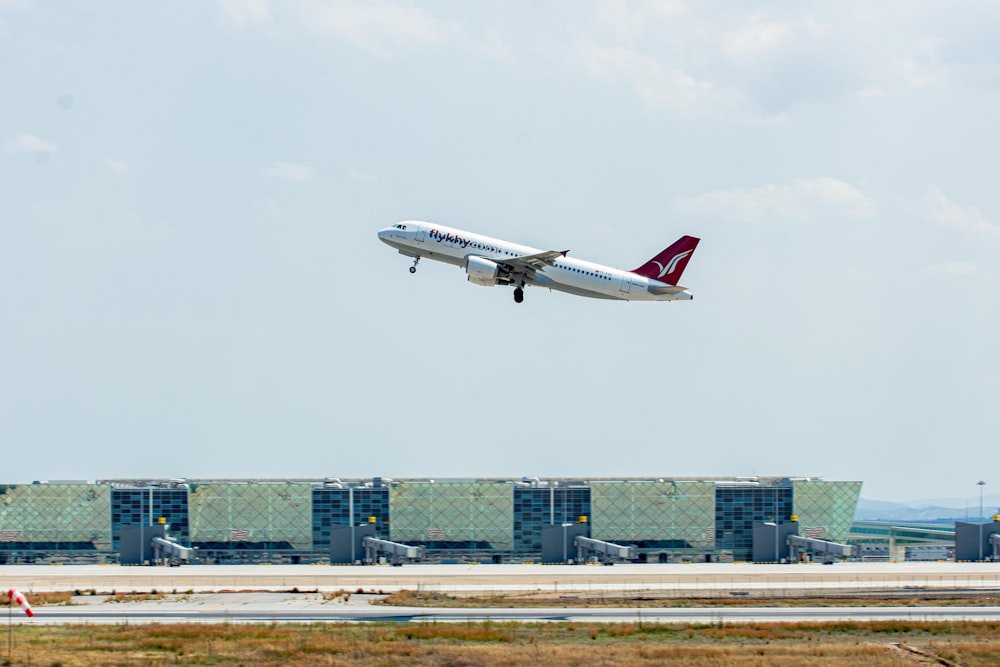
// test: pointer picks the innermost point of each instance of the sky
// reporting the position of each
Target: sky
(191, 284)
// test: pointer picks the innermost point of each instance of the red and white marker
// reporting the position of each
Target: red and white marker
(18, 597)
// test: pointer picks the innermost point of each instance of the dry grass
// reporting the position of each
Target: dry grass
(490, 643)
(410, 598)
(56, 598)
(136, 597)
(337, 596)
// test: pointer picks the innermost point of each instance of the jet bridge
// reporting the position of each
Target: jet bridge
(150, 545)
(396, 552)
(606, 552)
(358, 545)
(770, 539)
(560, 541)
(166, 551)
(798, 546)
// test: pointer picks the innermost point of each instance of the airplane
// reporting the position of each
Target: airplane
(488, 261)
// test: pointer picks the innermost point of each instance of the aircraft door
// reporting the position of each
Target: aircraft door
(421, 235)
(626, 285)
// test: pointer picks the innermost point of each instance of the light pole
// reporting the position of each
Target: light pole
(981, 484)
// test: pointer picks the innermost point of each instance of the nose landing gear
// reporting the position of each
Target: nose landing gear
(413, 269)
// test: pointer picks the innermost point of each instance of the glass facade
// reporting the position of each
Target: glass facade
(272, 516)
(667, 519)
(54, 517)
(738, 507)
(825, 509)
(534, 506)
(131, 507)
(668, 514)
(454, 515)
(332, 507)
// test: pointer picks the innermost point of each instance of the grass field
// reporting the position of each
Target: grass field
(473, 644)
(876, 644)
(409, 598)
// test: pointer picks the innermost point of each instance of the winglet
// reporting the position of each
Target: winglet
(565, 252)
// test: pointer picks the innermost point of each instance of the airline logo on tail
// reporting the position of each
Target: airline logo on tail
(672, 264)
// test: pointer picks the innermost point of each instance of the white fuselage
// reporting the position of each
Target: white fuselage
(566, 274)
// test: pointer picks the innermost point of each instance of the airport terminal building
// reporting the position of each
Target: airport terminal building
(481, 520)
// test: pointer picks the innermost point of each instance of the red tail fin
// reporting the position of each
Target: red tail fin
(668, 266)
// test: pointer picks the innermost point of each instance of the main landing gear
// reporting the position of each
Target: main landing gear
(413, 269)
(518, 295)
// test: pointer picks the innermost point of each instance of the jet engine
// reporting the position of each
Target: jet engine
(482, 271)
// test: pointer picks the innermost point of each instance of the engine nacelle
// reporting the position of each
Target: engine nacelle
(482, 271)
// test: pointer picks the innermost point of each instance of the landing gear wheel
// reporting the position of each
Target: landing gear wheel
(518, 295)
(413, 269)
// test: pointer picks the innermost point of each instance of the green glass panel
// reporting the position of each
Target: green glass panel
(56, 513)
(267, 512)
(453, 511)
(639, 510)
(825, 509)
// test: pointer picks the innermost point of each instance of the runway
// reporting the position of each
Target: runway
(282, 594)
(299, 608)
(703, 580)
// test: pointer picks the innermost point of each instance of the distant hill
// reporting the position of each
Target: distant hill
(936, 509)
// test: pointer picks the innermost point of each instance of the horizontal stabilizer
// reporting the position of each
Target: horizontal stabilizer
(666, 289)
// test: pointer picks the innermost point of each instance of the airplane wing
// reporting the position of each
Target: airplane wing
(528, 264)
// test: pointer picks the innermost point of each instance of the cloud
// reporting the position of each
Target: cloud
(748, 65)
(379, 27)
(492, 46)
(740, 66)
(923, 68)
(656, 83)
(293, 172)
(801, 201)
(117, 165)
(246, 12)
(966, 219)
(11, 7)
(30, 143)
(966, 273)
(760, 35)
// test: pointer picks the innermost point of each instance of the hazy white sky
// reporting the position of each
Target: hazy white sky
(191, 285)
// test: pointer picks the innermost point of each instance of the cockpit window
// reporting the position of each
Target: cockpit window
(399, 226)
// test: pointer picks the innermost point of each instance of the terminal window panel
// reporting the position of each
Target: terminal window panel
(473, 515)
(131, 507)
(273, 516)
(736, 510)
(679, 512)
(62, 517)
(826, 509)
(331, 507)
(536, 506)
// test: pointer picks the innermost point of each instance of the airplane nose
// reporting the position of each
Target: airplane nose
(383, 234)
